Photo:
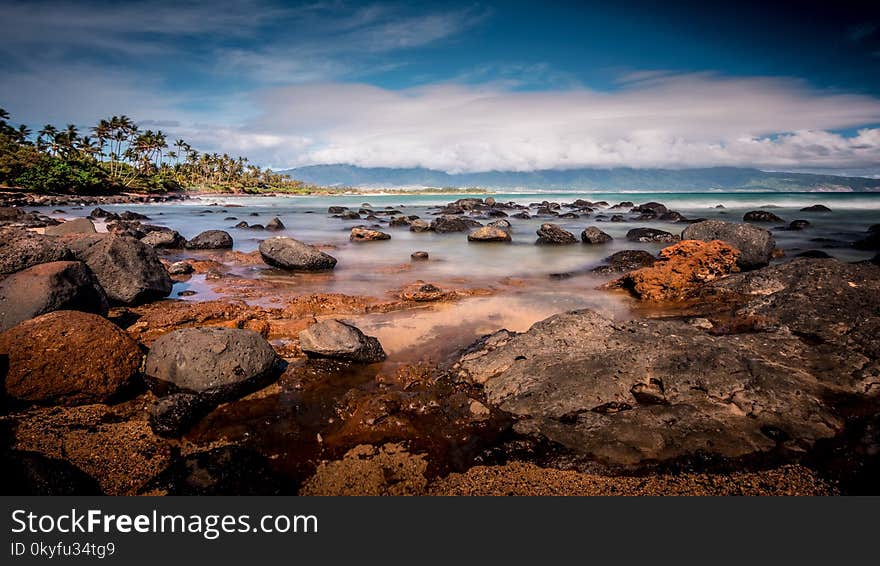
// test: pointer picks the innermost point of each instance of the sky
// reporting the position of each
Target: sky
(463, 86)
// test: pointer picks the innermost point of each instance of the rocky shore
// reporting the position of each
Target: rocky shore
(733, 373)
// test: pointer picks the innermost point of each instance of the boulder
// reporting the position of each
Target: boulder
(593, 235)
(553, 234)
(20, 249)
(210, 240)
(275, 224)
(681, 270)
(68, 358)
(75, 226)
(626, 260)
(128, 270)
(362, 234)
(180, 268)
(650, 235)
(336, 209)
(447, 223)
(761, 216)
(755, 244)
(340, 340)
(47, 287)
(101, 213)
(174, 414)
(489, 234)
(500, 223)
(419, 226)
(222, 363)
(651, 208)
(816, 208)
(798, 225)
(419, 256)
(287, 253)
(164, 239)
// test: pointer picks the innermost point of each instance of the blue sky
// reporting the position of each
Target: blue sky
(464, 86)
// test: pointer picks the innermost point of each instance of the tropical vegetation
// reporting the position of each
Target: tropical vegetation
(116, 155)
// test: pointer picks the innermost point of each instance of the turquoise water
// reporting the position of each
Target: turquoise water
(375, 267)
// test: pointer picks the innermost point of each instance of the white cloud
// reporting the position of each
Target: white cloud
(655, 120)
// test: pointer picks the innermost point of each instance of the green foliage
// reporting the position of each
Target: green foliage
(57, 175)
(15, 158)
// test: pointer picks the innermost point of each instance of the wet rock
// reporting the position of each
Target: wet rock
(654, 208)
(164, 239)
(287, 253)
(419, 226)
(816, 208)
(626, 260)
(361, 234)
(650, 235)
(500, 223)
(798, 225)
(256, 227)
(275, 224)
(681, 270)
(47, 287)
(340, 340)
(101, 213)
(20, 249)
(228, 470)
(489, 234)
(350, 215)
(242, 225)
(336, 209)
(554, 235)
(129, 215)
(761, 216)
(672, 216)
(593, 235)
(521, 215)
(32, 473)
(173, 415)
(400, 222)
(223, 363)
(210, 240)
(446, 223)
(128, 270)
(75, 226)
(422, 292)
(419, 256)
(68, 358)
(755, 244)
(489, 201)
(617, 218)
(180, 268)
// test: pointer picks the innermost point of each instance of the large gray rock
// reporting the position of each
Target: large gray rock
(223, 363)
(210, 240)
(449, 223)
(128, 270)
(287, 253)
(755, 244)
(20, 249)
(339, 340)
(643, 392)
(47, 287)
(553, 234)
(75, 226)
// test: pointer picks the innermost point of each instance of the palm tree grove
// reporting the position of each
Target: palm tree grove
(116, 155)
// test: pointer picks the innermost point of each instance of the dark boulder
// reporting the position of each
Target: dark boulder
(210, 240)
(174, 414)
(47, 287)
(761, 216)
(20, 249)
(626, 260)
(593, 235)
(275, 224)
(554, 235)
(798, 225)
(447, 223)
(340, 340)
(287, 253)
(419, 256)
(128, 270)
(755, 244)
(651, 207)
(816, 208)
(650, 235)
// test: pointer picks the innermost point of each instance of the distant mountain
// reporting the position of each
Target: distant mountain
(705, 179)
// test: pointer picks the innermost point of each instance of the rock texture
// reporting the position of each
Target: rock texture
(449, 223)
(128, 270)
(638, 393)
(361, 234)
(650, 235)
(164, 239)
(20, 249)
(593, 235)
(681, 270)
(489, 234)
(761, 216)
(340, 340)
(626, 260)
(68, 358)
(287, 253)
(210, 240)
(554, 235)
(755, 244)
(75, 226)
(47, 287)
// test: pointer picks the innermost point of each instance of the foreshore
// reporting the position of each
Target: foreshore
(714, 365)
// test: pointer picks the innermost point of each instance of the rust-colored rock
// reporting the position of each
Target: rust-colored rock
(681, 270)
(68, 358)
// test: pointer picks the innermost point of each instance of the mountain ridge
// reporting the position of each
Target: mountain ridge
(620, 178)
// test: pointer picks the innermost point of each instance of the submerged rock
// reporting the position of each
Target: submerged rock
(798, 225)
(287, 253)
(419, 256)
(275, 224)
(128, 270)
(816, 208)
(681, 270)
(340, 340)
(755, 244)
(593, 235)
(47, 287)
(761, 216)
(552, 234)
(210, 240)
(68, 358)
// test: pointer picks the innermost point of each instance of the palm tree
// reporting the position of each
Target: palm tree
(48, 131)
